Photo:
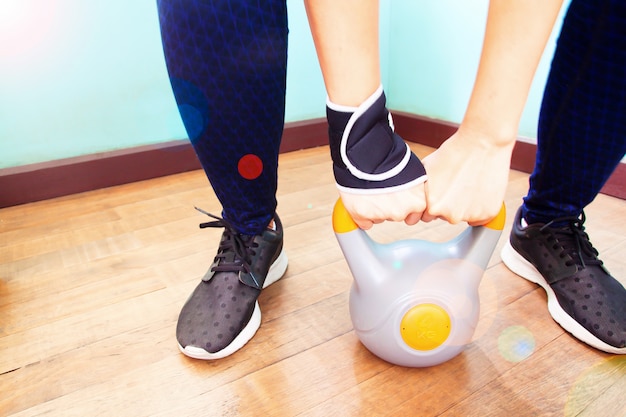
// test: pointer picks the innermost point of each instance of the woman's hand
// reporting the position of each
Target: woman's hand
(369, 209)
(467, 178)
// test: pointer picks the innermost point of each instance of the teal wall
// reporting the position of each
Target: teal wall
(79, 77)
(85, 76)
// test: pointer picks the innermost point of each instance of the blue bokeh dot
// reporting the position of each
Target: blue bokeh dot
(516, 343)
(192, 106)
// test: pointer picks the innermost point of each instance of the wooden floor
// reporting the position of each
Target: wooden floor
(91, 286)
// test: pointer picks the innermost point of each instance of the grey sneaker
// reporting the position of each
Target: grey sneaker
(222, 314)
(583, 297)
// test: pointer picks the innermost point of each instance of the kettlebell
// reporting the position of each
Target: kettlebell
(413, 302)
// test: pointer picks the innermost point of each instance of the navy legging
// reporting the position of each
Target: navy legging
(582, 123)
(227, 63)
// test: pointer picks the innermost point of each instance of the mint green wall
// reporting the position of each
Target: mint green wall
(79, 77)
(85, 76)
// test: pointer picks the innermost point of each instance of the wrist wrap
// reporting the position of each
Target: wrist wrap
(368, 157)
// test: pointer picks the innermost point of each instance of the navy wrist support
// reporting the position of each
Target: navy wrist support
(368, 157)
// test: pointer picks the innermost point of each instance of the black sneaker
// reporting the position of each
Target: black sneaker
(583, 297)
(222, 314)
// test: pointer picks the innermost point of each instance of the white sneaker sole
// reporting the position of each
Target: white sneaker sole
(520, 266)
(276, 271)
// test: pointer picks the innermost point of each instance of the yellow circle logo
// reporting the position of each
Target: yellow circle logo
(425, 326)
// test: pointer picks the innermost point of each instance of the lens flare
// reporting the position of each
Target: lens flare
(516, 343)
(24, 26)
(586, 394)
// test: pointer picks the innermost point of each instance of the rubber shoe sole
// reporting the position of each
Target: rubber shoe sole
(520, 266)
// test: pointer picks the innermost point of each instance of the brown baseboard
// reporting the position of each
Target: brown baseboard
(433, 132)
(35, 182)
(616, 185)
(57, 178)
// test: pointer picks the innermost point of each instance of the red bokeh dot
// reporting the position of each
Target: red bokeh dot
(250, 166)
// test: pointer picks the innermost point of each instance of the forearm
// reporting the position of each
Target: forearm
(515, 37)
(345, 33)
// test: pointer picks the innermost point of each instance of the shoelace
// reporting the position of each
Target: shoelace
(235, 250)
(573, 240)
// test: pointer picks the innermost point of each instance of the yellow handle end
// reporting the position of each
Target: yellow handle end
(342, 222)
(497, 223)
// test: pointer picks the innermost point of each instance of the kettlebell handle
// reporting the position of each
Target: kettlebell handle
(343, 222)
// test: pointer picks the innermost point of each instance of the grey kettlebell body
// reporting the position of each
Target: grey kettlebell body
(415, 303)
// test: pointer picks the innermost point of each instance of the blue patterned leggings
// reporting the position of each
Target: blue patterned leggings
(582, 123)
(227, 62)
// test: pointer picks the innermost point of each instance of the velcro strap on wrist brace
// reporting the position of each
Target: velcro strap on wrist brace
(368, 157)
